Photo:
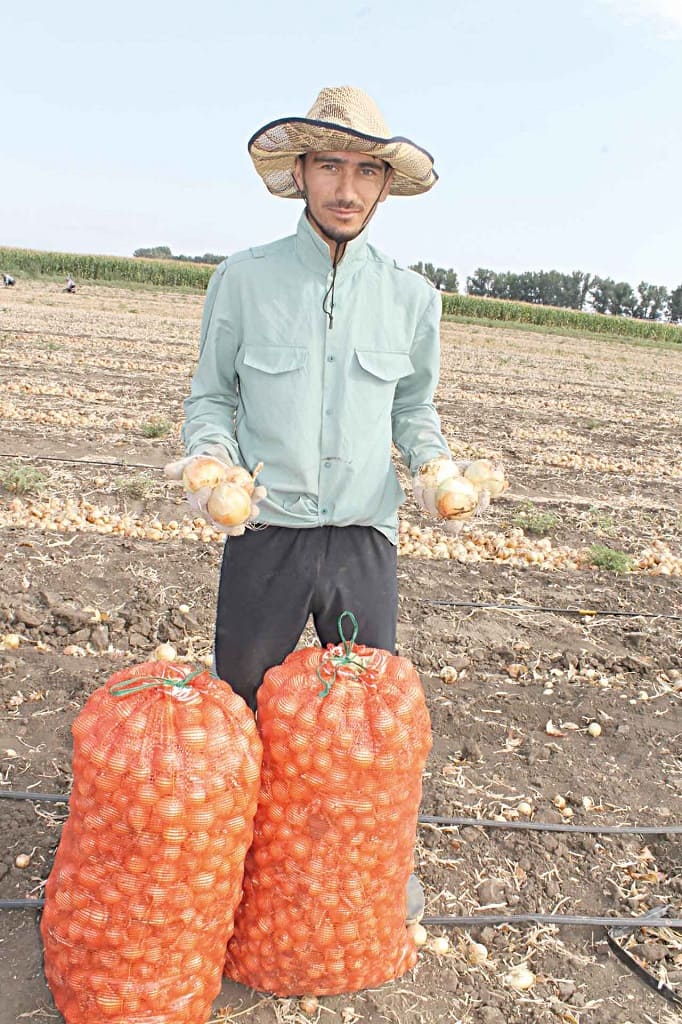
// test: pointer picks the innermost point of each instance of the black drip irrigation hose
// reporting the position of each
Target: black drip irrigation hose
(451, 920)
(546, 826)
(435, 819)
(473, 921)
(588, 612)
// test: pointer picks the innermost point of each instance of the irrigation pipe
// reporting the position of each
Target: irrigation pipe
(453, 921)
(551, 608)
(80, 462)
(430, 819)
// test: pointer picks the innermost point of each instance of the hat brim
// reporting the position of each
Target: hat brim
(275, 147)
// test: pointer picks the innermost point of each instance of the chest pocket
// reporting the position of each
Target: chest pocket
(385, 366)
(272, 384)
(275, 359)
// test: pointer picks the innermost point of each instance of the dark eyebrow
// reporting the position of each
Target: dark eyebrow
(376, 165)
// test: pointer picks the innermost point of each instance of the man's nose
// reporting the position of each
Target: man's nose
(345, 186)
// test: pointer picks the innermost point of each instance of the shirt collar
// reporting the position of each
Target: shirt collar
(314, 252)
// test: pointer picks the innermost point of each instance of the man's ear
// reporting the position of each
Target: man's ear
(297, 174)
(387, 185)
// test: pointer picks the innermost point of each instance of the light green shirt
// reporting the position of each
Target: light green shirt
(319, 406)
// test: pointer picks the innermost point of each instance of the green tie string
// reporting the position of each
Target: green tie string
(124, 690)
(357, 663)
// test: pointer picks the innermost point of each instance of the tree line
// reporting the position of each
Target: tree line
(578, 290)
(162, 252)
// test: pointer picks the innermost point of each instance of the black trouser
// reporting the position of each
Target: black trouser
(271, 580)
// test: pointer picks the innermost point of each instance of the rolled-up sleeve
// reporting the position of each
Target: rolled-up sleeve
(211, 406)
(415, 422)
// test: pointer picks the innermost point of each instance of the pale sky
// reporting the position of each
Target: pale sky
(556, 125)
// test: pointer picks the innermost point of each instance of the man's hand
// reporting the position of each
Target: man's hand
(205, 478)
(454, 492)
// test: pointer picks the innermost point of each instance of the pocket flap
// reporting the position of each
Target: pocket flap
(275, 358)
(385, 365)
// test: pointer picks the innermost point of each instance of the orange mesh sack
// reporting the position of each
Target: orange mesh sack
(346, 734)
(140, 901)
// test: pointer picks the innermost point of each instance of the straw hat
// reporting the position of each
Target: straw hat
(340, 118)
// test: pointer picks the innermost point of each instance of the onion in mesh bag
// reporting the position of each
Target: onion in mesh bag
(140, 901)
(345, 734)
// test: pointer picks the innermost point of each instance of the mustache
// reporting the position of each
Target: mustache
(343, 205)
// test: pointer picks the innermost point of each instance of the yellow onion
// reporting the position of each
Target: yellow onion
(456, 498)
(203, 471)
(433, 473)
(486, 476)
(240, 476)
(229, 504)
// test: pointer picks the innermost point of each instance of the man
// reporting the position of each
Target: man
(317, 352)
(7, 280)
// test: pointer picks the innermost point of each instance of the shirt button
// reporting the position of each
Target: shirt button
(327, 465)
(323, 511)
(330, 359)
(327, 412)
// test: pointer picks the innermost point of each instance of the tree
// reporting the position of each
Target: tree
(675, 305)
(443, 280)
(652, 303)
(157, 252)
(481, 282)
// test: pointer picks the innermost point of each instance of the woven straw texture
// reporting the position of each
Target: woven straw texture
(140, 900)
(325, 879)
(342, 118)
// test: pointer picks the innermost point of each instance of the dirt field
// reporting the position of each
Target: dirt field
(102, 564)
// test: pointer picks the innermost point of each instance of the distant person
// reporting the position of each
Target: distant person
(70, 284)
(8, 280)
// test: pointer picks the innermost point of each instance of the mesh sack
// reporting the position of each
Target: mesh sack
(325, 880)
(141, 897)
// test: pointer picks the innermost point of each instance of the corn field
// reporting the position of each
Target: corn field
(175, 273)
(169, 273)
(552, 316)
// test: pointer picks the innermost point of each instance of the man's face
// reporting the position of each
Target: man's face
(341, 189)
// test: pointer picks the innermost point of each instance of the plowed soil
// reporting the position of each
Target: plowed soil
(523, 643)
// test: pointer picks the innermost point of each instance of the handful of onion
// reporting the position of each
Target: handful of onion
(455, 492)
(226, 491)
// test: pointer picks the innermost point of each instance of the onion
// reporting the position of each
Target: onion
(165, 652)
(486, 476)
(229, 504)
(520, 978)
(477, 953)
(241, 477)
(203, 471)
(417, 933)
(433, 473)
(456, 498)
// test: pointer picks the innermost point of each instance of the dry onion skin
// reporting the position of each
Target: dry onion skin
(433, 473)
(241, 477)
(456, 498)
(229, 504)
(203, 471)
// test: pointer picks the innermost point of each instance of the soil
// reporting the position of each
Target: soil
(588, 431)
